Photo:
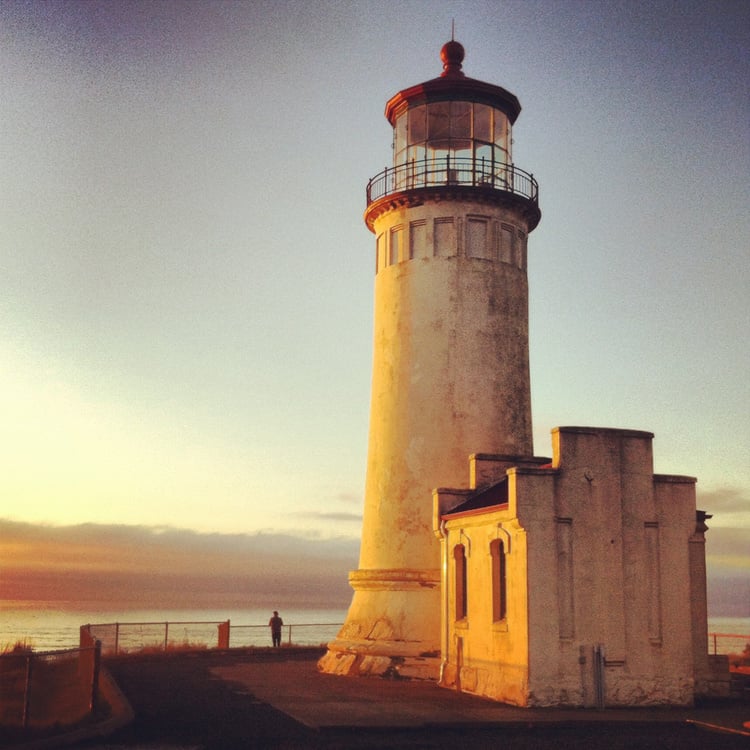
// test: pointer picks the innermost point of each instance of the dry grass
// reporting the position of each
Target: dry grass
(157, 647)
(740, 660)
(22, 646)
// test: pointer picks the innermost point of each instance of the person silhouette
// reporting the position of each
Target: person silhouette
(275, 624)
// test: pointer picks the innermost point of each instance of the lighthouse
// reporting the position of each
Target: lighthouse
(451, 219)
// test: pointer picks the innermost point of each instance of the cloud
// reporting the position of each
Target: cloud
(728, 571)
(350, 498)
(728, 551)
(141, 565)
(333, 516)
(729, 506)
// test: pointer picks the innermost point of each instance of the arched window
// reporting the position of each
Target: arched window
(499, 581)
(459, 556)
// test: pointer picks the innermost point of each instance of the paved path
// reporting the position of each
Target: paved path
(270, 700)
(323, 701)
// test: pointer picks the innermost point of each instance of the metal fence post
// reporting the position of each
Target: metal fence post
(224, 628)
(94, 704)
(27, 691)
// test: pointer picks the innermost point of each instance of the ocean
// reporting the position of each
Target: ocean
(55, 626)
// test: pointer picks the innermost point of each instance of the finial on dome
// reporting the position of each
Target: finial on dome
(452, 55)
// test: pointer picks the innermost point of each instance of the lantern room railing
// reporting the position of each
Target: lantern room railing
(452, 170)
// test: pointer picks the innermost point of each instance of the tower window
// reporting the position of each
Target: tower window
(477, 240)
(507, 244)
(380, 253)
(417, 239)
(395, 245)
(445, 238)
(499, 581)
(459, 556)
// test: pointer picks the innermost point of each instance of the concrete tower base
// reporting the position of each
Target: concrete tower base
(402, 640)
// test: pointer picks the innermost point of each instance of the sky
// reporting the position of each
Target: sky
(186, 281)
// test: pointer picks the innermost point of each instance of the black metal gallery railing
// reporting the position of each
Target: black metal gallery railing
(452, 170)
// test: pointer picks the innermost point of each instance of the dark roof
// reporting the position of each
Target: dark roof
(487, 497)
(453, 85)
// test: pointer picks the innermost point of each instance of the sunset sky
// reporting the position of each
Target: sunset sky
(186, 282)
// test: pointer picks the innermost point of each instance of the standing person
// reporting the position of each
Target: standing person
(275, 624)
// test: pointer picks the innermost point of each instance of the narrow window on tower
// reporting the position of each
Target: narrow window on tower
(395, 244)
(380, 253)
(459, 556)
(507, 254)
(445, 238)
(499, 581)
(477, 238)
(417, 239)
(521, 250)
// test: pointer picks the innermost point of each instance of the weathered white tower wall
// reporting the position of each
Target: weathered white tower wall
(450, 358)
(451, 367)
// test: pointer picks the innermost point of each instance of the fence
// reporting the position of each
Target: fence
(727, 643)
(125, 637)
(41, 689)
(299, 634)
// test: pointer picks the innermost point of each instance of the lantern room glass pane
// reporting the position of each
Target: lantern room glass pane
(439, 122)
(502, 131)
(399, 136)
(483, 123)
(461, 120)
(483, 163)
(418, 124)
(416, 153)
(483, 153)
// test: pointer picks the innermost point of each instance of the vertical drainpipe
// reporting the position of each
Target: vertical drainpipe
(599, 661)
(444, 613)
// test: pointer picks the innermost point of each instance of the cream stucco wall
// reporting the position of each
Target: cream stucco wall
(599, 564)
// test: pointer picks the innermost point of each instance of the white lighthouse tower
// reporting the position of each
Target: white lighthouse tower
(451, 219)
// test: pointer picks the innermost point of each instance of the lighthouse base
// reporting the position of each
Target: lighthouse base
(392, 629)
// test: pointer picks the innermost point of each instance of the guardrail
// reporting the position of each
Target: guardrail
(296, 634)
(728, 643)
(127, 637)
(453, 171)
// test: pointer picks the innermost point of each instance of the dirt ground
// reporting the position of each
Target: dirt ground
(179, 704)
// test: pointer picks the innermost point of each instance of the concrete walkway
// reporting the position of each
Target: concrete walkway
(322, 701)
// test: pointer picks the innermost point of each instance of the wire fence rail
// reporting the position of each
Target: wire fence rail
(297, 634)
(728, 643)
(130, 637)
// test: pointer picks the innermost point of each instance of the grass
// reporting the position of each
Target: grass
(22, 646)
(740, 660)
(157, 647)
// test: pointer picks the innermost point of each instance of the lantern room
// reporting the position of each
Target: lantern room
(456, 132)
(460, 130)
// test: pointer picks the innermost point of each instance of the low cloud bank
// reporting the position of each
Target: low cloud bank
(138, 566)
(142, 566)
